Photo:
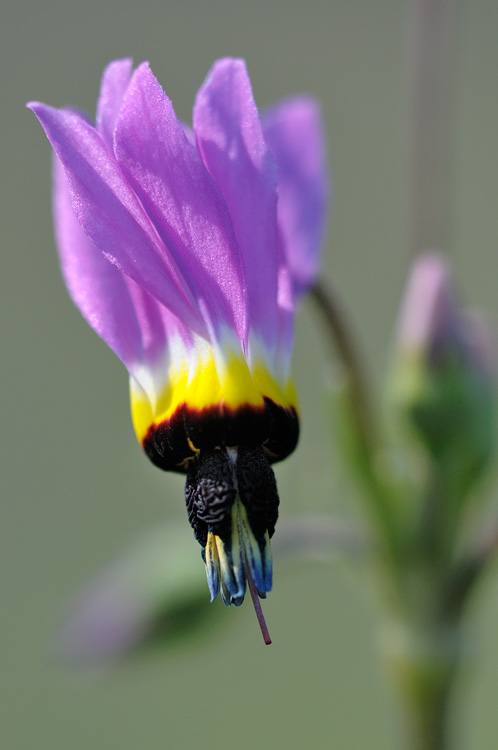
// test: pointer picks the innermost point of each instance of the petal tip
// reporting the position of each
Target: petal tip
(34, 106)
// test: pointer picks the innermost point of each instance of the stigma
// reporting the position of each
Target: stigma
(232, 504)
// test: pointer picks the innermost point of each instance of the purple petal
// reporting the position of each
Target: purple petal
(126, 317)
(97, 287)
(430, 312)
(158, 326)
(111, 214)
(115, 80)
(181, 198)
(189, 134)
(231, 143)
(286, 319)
(294, 133)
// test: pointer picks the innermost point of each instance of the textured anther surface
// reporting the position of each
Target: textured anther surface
(210, 493)
(258, 490)
(212, 486)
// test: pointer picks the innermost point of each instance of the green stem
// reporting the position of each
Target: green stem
(423, 664)
(341, 342)
(422, 645)
(431, 613)
(426, 719)
(428, 653)
(381, 505)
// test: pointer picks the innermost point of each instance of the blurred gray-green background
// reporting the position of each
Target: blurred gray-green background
(76, 487)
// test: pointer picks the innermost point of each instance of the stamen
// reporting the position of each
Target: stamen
(212, 567)
(256, 602)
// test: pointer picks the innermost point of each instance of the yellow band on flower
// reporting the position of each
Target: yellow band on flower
(208, 400)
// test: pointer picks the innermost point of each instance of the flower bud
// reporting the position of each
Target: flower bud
(443, 372)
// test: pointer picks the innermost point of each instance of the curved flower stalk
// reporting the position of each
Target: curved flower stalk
(186, 251)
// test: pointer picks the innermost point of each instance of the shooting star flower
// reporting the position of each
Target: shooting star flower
(186, 251)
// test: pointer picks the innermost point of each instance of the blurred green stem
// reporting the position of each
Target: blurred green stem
(423, 664)
(357, 415)
(426, 664)
(423, 639)
(341, 341)
(423, 589)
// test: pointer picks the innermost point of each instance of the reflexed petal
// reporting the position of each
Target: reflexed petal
(111, 214)
(129, 319)
(158, 326)
(96, 286)
(115, 81)
(231, 143)
(294, 133)
(182, 199)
